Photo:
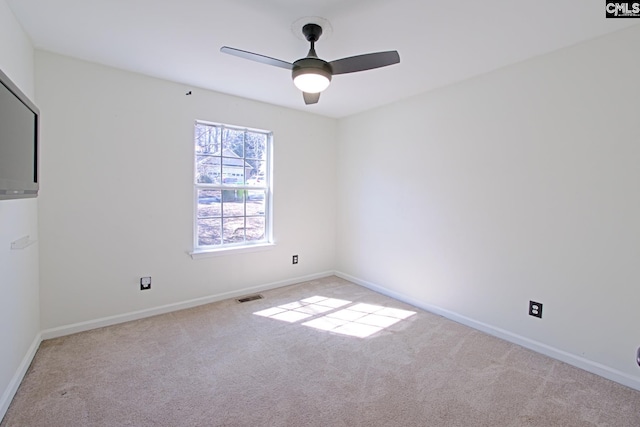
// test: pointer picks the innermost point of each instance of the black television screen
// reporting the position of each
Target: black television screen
(19, 120)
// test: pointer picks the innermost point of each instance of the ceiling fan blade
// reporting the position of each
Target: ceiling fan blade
(311, 98)
(364, 62)
(255, 57)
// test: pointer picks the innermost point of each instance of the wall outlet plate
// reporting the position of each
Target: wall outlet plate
(295, 259)
(145, 283)
(535, 309)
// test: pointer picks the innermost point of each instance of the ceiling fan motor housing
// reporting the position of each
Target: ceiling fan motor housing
(311, 65)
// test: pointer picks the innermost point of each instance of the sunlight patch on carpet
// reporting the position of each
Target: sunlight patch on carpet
(358, 320)
(303, 309)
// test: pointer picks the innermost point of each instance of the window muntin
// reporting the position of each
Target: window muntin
(231, 186)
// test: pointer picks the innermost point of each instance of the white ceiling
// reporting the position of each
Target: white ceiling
(440, 42)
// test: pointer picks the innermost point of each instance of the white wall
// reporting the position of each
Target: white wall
(116, 199)
(19, 304)
(521, 184)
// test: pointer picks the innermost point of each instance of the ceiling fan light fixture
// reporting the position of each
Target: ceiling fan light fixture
(311, 75)
(311, 82)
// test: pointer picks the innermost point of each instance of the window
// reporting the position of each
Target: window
(231, 186)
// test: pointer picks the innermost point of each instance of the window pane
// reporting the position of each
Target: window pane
(233, 170)
(255, 228)
(208, 170)
(233, 230)
(253, 196)
(209, 232)
(257, 172)
(207, 139)
(209, 203)
(256, 146)
(234, 207)
(233, 142)
(232, 196)
(256, 203)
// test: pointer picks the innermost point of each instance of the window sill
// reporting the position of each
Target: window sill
(209, 253)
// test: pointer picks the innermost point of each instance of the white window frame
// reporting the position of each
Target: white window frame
(235, 247)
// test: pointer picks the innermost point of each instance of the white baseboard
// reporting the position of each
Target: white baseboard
(11, 389)
(571, 359)
(135, 315)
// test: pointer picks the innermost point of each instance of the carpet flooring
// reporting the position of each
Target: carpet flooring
(320, 353)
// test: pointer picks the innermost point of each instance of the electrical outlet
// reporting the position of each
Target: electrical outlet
(535, 309)
(295, 259)
(145, 283)
(638, 357)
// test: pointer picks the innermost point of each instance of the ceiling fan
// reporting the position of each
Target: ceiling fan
(311, 74)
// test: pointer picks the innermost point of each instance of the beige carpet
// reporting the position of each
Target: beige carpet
(222, 365)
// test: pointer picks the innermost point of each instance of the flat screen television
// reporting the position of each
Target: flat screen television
(19, 129)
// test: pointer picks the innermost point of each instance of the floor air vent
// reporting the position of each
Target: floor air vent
(250, 298)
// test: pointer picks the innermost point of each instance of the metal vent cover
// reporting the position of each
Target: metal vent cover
(249, 298)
